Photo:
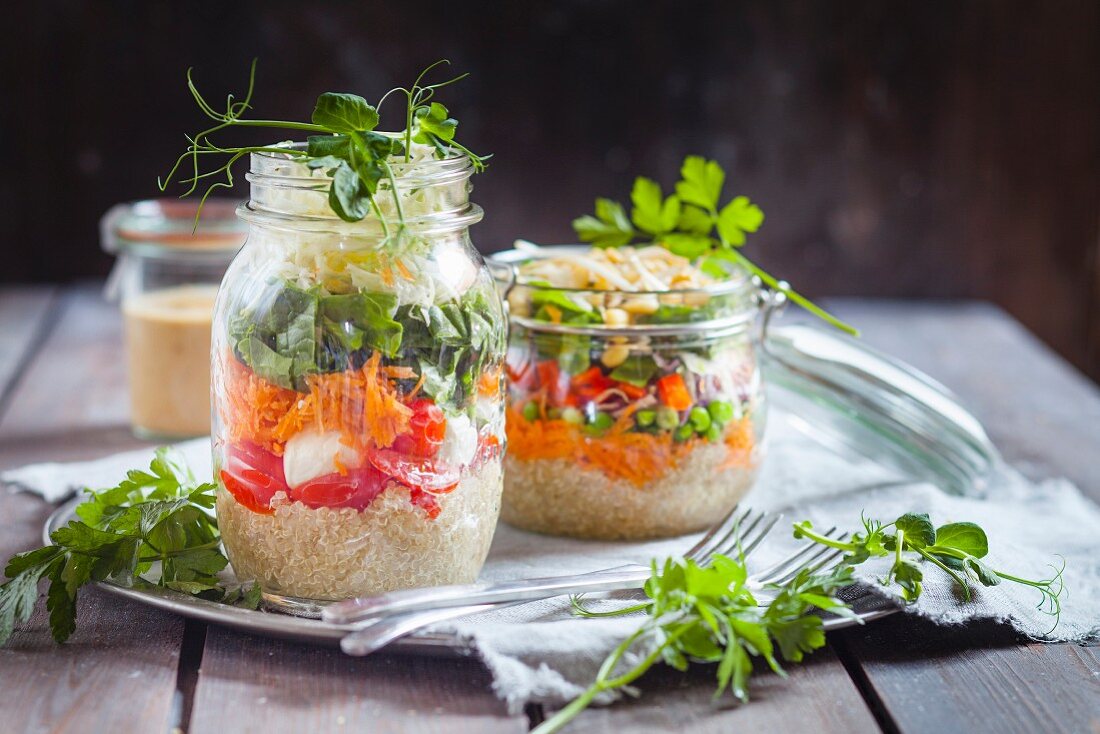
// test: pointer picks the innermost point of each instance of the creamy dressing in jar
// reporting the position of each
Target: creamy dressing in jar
(168, 356)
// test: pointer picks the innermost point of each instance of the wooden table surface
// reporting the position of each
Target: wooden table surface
(129, 668)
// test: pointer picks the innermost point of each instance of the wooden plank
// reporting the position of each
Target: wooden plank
(976, 679)
(256, 685)
(23, 313)
(1040, 412)
(118, 672)
(817, 697)
(72, 402)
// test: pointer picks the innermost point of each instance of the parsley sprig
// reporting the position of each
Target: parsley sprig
(697, 613)
(345, 142)
(154, 529)
(708, 614)
(691, 223)
(958, 549)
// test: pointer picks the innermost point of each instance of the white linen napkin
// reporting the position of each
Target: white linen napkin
(539, 652)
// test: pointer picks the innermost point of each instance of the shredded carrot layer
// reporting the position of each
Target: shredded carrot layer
(638, 458)
(254, 406)
(489, 384)
(741, 442)
(362, 404)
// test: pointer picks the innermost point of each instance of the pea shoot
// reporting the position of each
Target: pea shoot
(957, 549)
(344, 141)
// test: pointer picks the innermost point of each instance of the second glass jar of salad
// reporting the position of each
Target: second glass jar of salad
(635, 405)
(358, 388)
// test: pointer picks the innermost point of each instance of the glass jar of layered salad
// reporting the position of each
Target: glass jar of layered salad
(635, 405)
(358, 386)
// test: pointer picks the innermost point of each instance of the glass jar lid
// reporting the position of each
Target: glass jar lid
(848, 395)
(166, 229)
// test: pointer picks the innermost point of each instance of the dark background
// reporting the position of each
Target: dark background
(936, 149)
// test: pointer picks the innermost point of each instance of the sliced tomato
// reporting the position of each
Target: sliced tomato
(427, 427)
(247, 455)
(415, 473)
(426, 502)
(248, 494)
(356, 489)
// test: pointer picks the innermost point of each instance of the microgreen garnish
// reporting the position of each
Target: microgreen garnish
(956, 548)
(708, 614)
(690, 223)
(154, 520)
(344, 142)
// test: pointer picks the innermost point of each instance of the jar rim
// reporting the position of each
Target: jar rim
(286, 194)
(741, 315)
(431, 170)
(513, 258)
(167, 228)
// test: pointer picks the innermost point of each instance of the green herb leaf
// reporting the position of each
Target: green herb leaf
(695, 221)
(61, 601)
(966, 537)
(344, 113)
(609, 228)
(738, 217)
(326, 151)
(909, 576)
(348, 196)
(690, 246)
(433, 120)
(652, 212)
(985, 575)
(918, 529)
(701, 182)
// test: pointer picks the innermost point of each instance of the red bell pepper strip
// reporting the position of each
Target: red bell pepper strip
(550, 380)
(673, 392)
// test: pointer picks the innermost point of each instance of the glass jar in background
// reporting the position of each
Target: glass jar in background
(166, 280)
(647, 423)
(358, 388)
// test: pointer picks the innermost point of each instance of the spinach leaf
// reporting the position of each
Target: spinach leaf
(294, 333)
(359, 320)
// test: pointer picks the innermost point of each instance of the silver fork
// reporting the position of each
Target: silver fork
(744, 527)
(389, 629)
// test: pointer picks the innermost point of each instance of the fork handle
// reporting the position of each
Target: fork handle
(388, 629)
(414, 600)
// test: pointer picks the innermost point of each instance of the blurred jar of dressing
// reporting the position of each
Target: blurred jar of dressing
(166, 279)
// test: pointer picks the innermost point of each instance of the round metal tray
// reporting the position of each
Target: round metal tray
(868, 607)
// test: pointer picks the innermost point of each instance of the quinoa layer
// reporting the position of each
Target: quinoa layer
(338, 553)
(559, 497)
